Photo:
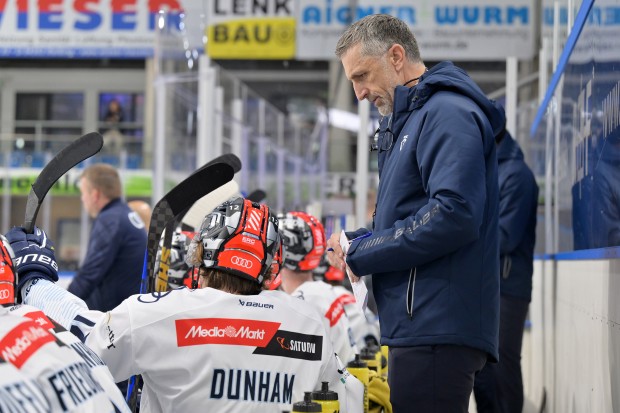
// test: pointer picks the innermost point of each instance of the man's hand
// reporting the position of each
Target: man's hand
(336, 257)
(34, 256)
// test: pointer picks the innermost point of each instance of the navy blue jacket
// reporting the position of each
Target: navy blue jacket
(605, 183)
(112, 268)
(434, 252)
(518, 201)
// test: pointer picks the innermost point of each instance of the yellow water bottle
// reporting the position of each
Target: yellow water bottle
(368, 355)
(384, 352)
(328, 399)
(307, 405)
(359, 368)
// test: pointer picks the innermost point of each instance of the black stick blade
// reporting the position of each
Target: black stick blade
(80, 149)
(182, 196)
(258, 195)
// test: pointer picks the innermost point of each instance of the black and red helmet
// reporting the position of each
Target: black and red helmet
(240, 237)
(328, 273)
(303, 241)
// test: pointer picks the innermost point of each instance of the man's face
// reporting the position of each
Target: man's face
(373, 78)
(89, 197)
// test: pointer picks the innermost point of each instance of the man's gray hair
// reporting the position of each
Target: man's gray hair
(377, 33)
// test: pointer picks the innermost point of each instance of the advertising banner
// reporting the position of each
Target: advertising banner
(248, 29)
(85, 28)
(445, 29)
(260, 29)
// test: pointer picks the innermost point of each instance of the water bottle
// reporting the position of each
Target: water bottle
(328, 399)
(359, 368)
(307, 405)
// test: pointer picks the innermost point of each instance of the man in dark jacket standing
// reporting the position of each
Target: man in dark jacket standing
(499, 387)
(433, 253)
(112, 266)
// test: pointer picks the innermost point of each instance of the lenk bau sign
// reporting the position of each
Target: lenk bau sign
(251, 29)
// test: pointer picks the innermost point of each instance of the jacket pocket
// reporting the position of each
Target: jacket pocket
(506, 267)
(410, 291)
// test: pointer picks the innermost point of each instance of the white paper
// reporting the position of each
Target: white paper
(359, 286)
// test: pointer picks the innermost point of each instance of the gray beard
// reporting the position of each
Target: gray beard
(385, 110)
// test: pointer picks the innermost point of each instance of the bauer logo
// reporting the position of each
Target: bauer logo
(294, 345)
(227, 331)
(255, 304)
(22, 342)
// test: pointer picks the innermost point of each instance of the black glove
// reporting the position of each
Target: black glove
(34, 256)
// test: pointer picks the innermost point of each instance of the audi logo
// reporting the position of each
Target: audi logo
(4, 294)
(241, 262)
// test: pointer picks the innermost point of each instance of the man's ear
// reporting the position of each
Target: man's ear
(396, 54)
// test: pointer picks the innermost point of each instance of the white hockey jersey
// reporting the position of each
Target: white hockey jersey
(49, 361)
(19, 393)
(362, 324)
(330, 303)
(206, 349)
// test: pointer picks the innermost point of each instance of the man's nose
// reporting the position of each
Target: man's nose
(360, 92)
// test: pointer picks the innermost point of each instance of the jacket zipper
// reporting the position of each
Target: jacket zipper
(410, 289)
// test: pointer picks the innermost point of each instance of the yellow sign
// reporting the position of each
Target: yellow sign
(260, 38)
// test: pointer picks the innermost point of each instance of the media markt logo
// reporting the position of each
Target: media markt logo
(22, 342)
(227, 331)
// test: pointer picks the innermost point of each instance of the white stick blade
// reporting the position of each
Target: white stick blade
(207, 203)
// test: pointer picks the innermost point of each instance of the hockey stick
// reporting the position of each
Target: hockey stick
(161, 280)
(196, 213)
(176, 202)
(80, 149)
(258, 195)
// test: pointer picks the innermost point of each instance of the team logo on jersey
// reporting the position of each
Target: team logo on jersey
(229, 331)
(293, 345)
(336, 309)
(23, 341)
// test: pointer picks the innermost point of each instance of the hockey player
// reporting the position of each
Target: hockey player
(303, 245)
(227, 347)
(179, 273)
(43, 367)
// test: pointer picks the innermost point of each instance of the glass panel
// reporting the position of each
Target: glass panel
(121, 122)
(588, 138)
(49, 106)
(44, 124)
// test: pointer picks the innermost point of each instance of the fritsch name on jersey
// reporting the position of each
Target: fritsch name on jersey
(74, 384)
(252, 385)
